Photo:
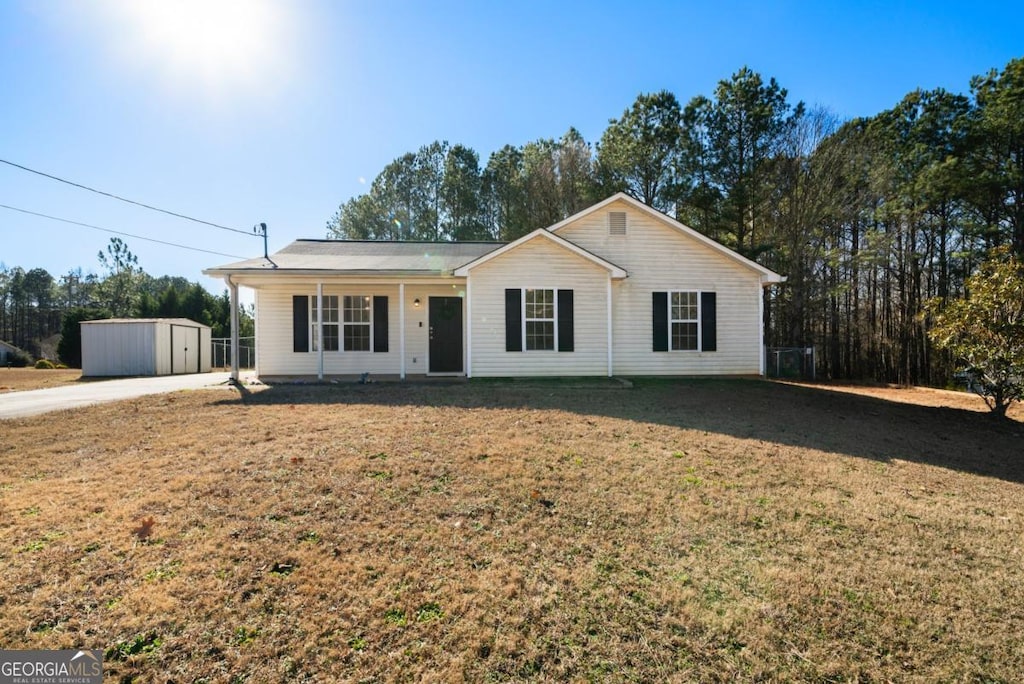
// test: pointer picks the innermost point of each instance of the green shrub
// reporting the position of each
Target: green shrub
(45, 364)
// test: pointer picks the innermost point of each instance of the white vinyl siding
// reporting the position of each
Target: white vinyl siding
(661, 258)
(539, 264)
(274, 336)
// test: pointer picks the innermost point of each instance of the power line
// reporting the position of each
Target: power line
(124, 199)
(117, 232)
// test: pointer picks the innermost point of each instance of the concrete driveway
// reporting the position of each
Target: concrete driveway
(34, 402)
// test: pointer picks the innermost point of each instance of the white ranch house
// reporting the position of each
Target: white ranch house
(617, 289)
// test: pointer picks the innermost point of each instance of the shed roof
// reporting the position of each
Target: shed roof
(174, 321)
(388, 257)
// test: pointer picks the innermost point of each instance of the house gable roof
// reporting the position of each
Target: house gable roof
(401, 258)
(767, 275)
(544, 234)
(362, 257)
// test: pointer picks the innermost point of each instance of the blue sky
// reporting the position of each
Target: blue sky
(246, 111)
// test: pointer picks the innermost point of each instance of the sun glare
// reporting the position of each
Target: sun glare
(222, 48)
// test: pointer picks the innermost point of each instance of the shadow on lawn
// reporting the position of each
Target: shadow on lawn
(800, 416)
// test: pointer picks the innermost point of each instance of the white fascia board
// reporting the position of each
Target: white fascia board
(304, 278)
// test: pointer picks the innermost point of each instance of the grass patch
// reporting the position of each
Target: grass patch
(703, 530)
(429, 612)
(141, 644)
(21, 379)
(396, 617)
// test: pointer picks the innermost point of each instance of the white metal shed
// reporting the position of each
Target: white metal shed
(145, 346)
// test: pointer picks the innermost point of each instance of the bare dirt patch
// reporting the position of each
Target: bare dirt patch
(18, 379)
(679, 530)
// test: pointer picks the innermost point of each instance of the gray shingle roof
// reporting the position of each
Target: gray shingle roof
(367, 256)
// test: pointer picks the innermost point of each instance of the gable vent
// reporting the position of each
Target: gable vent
(616, 223)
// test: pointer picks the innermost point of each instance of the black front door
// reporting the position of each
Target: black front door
(445, 334)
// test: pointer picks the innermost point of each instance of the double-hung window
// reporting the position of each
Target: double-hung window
(330, 311)
(684, 321)
(357, 323)
(350, 323)
(540, 319)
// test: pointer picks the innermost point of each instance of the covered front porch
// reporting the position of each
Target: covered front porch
(329, 308)
(337, 327)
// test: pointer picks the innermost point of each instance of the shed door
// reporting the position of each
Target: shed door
(184, 349)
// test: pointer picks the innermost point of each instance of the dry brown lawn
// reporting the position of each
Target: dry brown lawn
(681, 530)
(18, 379)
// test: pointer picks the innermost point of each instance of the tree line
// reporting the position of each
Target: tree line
(35, 307)
(869, 218)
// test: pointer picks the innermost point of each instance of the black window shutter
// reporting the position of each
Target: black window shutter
(513, 320)
(708, 323)
(659, 322)
(380, 324)
(565, 340)
(300, 323)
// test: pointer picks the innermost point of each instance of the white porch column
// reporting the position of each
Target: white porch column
(401, 331)
(469, 328)
(233, 289)
(320, 330)
(611, 368)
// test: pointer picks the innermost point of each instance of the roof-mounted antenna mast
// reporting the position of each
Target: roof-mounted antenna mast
(261, 230)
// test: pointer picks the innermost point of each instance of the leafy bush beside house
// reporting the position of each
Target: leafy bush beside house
(984, 332)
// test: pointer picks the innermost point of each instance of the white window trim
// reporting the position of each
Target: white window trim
(700, 322)
(522, 312)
